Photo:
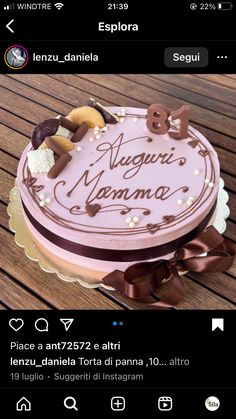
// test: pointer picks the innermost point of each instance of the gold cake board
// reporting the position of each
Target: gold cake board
(24, 239)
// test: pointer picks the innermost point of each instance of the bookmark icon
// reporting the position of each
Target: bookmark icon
(217, 324)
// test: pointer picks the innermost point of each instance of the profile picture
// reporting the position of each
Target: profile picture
(16, 57)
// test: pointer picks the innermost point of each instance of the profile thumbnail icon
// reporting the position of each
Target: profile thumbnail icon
(16, 57)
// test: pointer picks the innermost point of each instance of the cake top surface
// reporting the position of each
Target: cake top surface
(124, 181)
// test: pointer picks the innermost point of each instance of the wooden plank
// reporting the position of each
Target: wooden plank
(24, 107)
(12, 142)
(4, 216)
(48, 85)
(231, 76)
(126, 302)
(8, 163)
(20, 124)
(198, 91)
(220, 283)
(61, 295)
(16, 123)
(216, 138)
(148, 95)
(16, 297)
(232, 270)
(232, 206)
(230, 181)
(38, 95)
(202, 298)
(217, 79)
(107, 95)
(6, 184)
(227, 160)
(231, 231)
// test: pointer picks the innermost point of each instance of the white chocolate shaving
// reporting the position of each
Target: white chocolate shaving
(64, 132)
(40, 160)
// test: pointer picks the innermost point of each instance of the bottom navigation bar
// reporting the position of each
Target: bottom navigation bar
(151, 402)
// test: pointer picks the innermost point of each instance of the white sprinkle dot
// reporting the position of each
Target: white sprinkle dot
(189, 202)
(180, 202)
(128, 220)
(207, 180)
(91, 139)
(210, 185)
(118, 113)
(121, 119)
(131, 224)
(48, 201)
(135, 119)
(191, 198)
(79, 148)
(98, 136)
(197, 172)
(104, 129)
(136, 219)
(42, 203)
(42, 196)
(96, 129)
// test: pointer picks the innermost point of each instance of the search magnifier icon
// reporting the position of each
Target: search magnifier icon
(70, 403)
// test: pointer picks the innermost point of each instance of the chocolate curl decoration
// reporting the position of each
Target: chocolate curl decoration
(141, 280)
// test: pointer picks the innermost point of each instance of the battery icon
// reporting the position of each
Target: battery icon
(227, 5)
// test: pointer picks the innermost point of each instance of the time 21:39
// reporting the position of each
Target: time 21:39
(117, 6)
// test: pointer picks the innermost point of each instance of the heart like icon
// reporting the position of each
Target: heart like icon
(16, 324)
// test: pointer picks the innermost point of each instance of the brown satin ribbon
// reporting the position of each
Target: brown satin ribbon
(141, 280)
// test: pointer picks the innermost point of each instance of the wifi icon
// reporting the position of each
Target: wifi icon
(59, 5)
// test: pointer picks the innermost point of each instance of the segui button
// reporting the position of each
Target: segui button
(186, 57)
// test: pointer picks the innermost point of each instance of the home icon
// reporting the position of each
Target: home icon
(23, 405)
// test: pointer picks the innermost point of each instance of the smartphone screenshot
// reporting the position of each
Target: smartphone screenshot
(117, 209)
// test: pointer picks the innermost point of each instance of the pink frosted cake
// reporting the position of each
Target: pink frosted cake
(105, 188)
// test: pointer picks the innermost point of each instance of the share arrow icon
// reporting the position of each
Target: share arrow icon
(67, 323)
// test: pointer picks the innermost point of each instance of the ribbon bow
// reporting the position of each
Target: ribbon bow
(208, 252)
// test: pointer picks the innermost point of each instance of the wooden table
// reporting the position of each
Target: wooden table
(28, 99)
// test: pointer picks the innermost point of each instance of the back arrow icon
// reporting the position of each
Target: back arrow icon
(8, 26)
